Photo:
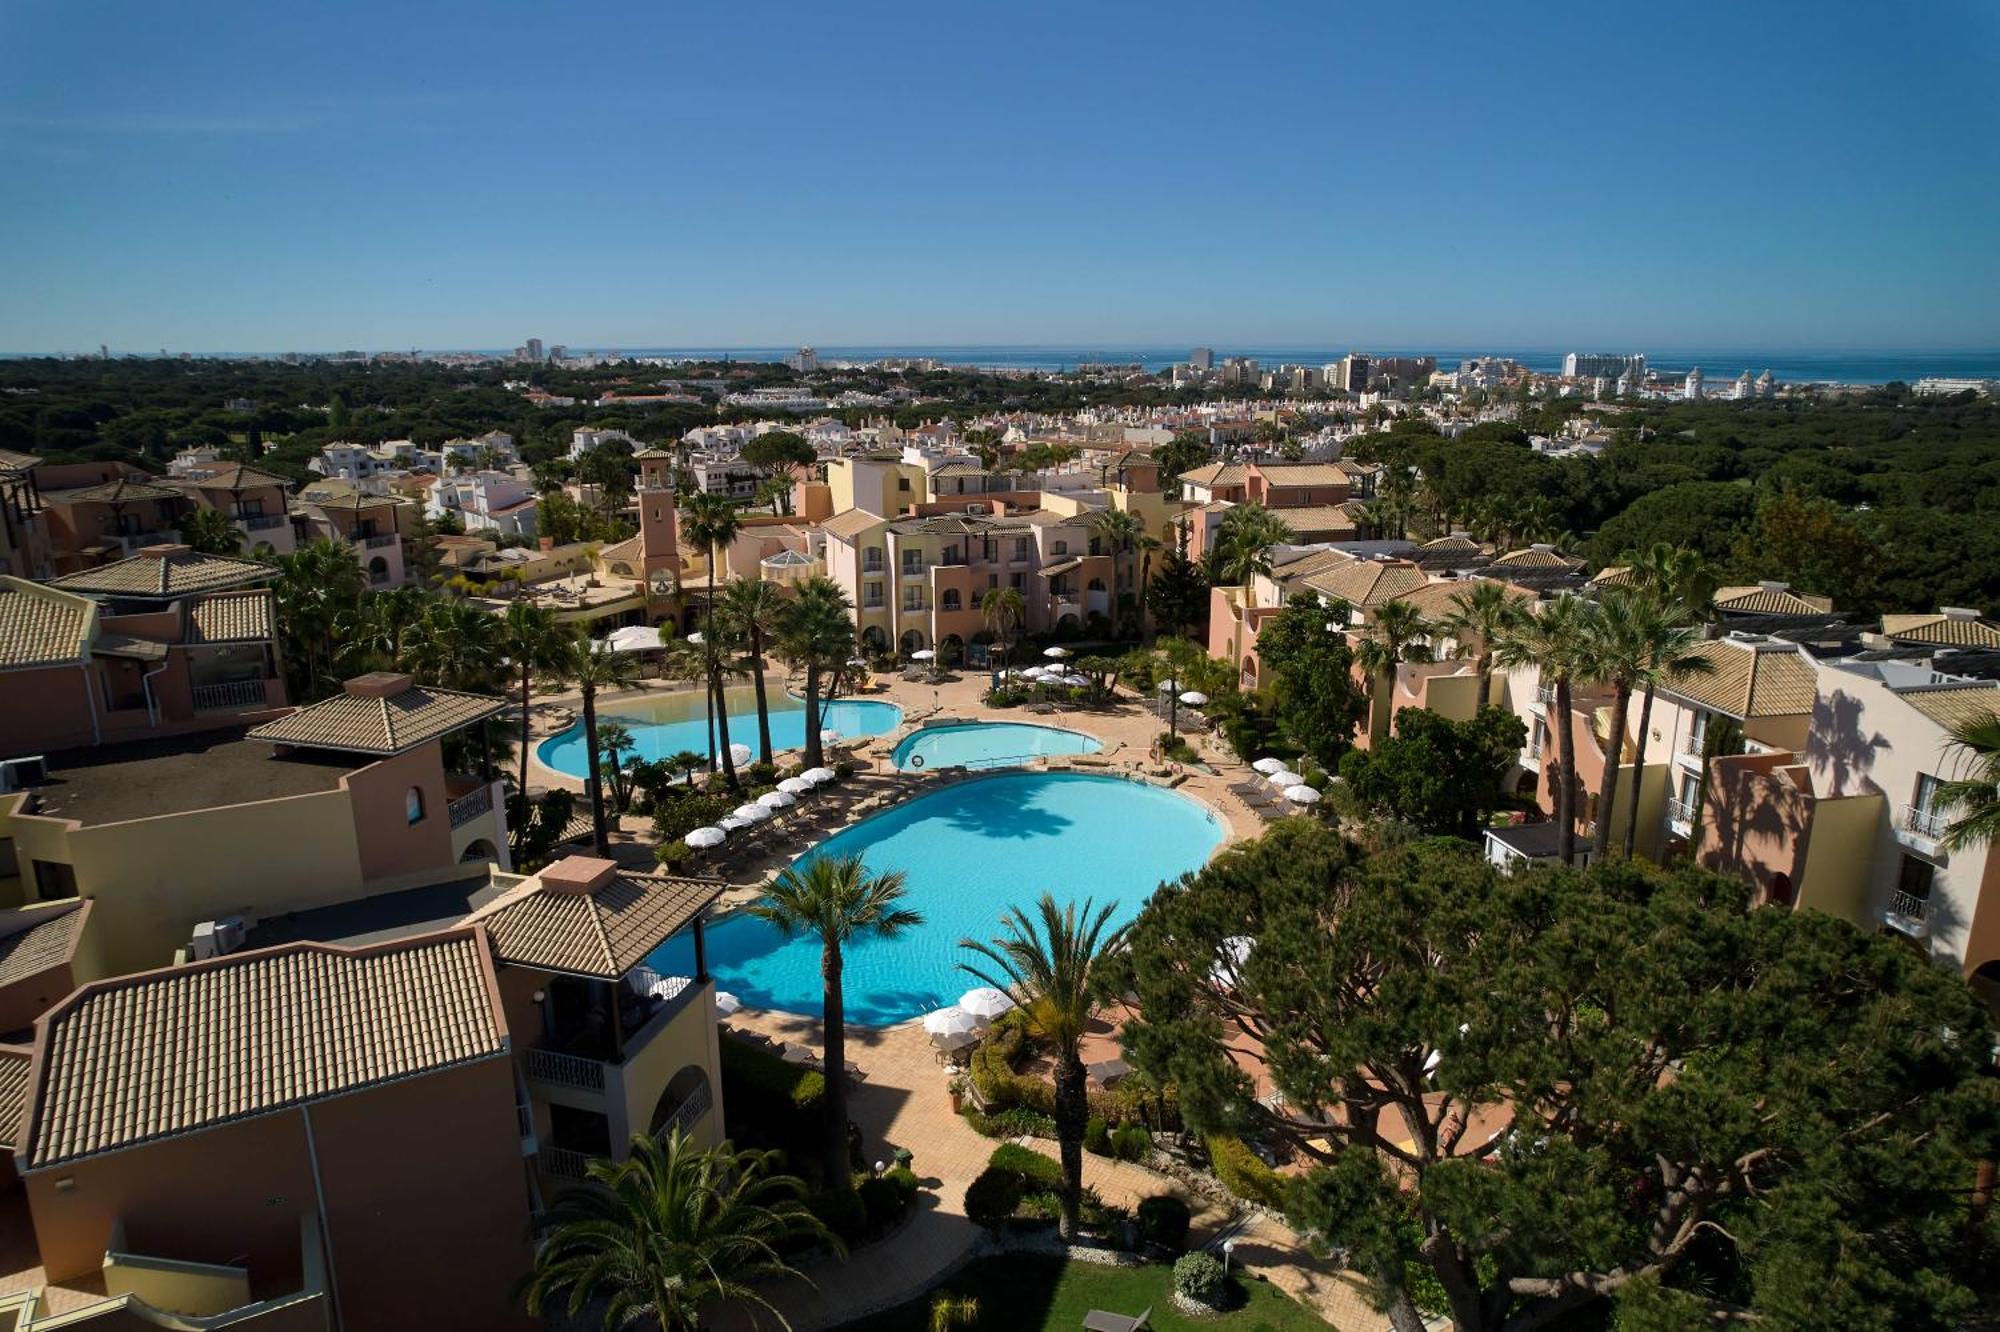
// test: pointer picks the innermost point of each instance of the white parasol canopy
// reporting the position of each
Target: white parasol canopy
(1194, 698)
(703, 838)
(729, 823)
(985, 1003)
(797, 786)
(1055, 653)
(777, 799)
(635, 638)
(741, 753)
(923, 654)
(726, 1003)
(818, 775)
(951, 1028)
(1302, 795)
(750, 813)
(1267, 766)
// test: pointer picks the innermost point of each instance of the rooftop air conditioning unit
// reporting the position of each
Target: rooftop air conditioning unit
(21, 773)
(215, 938)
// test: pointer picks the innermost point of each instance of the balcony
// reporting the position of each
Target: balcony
(471, 805)
(1545, 694)
(914, 570)
(1907, 914)
(563, 1070)
(134, 542)
(561, 1163)
(378, 541)
(261, 522)
(1680, 813)
(1923, 821)
(232, 694)
(687, 1112)
(580, 1054)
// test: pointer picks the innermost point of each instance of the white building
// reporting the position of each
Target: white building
(805, 360)
(1746, 387)
(485, 502)
(583, 439)
(1692, 389)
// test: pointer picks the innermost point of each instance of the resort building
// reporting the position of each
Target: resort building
(97, 512)
(258, 502)
(344, 799)
(373, 526)
(164, 643)
(24, 536)
(486, 502)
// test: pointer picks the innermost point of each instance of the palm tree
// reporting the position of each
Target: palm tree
(1680, 577)
(1241, 539)
(835, 899)
(1551, 640)
(532, 641)
(1397, 632)
(455, 645)
(752, 608)
(318, 586)
(1117, 529)
(668, 1231)
(1049, 967)
(1975, 796)
(211, 532)
(1003, 611)
(1479, 616)
(711, 522)
(583, 664)
(1665, 648)
(1146, 543)
(817, 632)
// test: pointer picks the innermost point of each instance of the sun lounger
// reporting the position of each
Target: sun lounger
(1099, 1321)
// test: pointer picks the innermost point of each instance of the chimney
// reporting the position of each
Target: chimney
(1958, 614)
(1542, 547)
(1774, 585)
(578, 876)
(377, 684)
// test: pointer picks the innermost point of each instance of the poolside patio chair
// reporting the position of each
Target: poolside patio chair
(1099, 1321)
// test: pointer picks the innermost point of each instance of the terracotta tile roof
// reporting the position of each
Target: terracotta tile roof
(236, 476)
(1359, 468)
(165, 1053)
(37, 938)
(17, 462)
(1758, 599)
(1942, 630)
(40, 626)
(1618, 575)
(1456, 544)
(166, 577)
(1321, 520)
(230, 617)
(1750, 680)
(1956, 707)
(1303, 474)
(627, 549)
(602, 933)
(850, 524)
(653, 455)
(14, 1061)
(1434, 601)
(1369, 582)
(353, 502)
(125, 490)
(391, 725)
(1218, 474)
(1537, 557)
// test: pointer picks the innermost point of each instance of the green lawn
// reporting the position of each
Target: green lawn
(1025, 1292)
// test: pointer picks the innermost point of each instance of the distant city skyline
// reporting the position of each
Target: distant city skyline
(1585, 178)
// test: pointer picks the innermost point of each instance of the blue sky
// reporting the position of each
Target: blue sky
(264, 176)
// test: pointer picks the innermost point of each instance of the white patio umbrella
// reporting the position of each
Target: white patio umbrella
(1194, 698)
(857, 661)
(1284, 780)
(1032, 672)
(985, 1003)
(1267, 766)
(923, 654)
(729, 823)
(1302, 795)
(741, 753)
(777, 799)
(1168, 686)
(1231, 954)
(726, 1003)
(951, 1028)
(797, 786)
(818, 775)
(703, 838)
(1055, 653)
(635, 638)
(828, 737)
(696, 638)
(750, 813)
(1075, 680)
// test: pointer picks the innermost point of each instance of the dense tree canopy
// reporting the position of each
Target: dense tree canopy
(1310, 671)
(1436, 774)
(1546, 1098)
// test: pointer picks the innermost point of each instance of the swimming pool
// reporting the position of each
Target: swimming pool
(988, 744)
(969, 851)
(667, 725)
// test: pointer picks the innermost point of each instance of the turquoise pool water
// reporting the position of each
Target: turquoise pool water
(988, 744)
(672, 723)
(969, 851)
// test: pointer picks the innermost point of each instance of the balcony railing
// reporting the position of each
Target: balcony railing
(562, 1163)
(1680, 811)
(1545, 694)
(564, 1070)
(687, 1112)
(262, 522)
(1923, 821)
(470, 805)
(134, 542)
(1909, 906)
(233, 694)
(379, 540)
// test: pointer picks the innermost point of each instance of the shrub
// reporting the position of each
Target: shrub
(1097, 1136)
(842, 1212)
(992, 1198)
(1007, 696)
(1014, 1122)
(1243, 1173)
(1131, 1143)
(1199, 1276)
(1036, 1170)
(1163, 1220)
(762, 1090)
(762, 774)
(998, 1085)
(670, 854)
(885, 1198)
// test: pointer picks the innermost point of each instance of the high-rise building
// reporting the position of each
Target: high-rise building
(805, 360)
(532, 349)
(1745, 386)
(1766, 386)
(1589, 365)
(1353, 373)
(1692, 389)
(1239, 370)
(1202, 358)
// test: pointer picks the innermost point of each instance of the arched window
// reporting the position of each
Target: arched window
(1096, 585)
(1780, 892)
(413, 804)
(950, 600)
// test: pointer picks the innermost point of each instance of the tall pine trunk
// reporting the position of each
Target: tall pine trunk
(523, 787)
(719, 707)
(834, 1008)
(763, 708)
(815, 752)
(1645, 729)
(1566, 760)
(1607, 805)
(600, 840)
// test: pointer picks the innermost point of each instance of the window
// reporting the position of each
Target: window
(1094, 544)
(413, 804)
(989, 550)
(992, 580)
(1925, 802)
(1017, 581)
(871, 596)
(54, 880)
(950, 600)
(1697, 733)
(1059, 548)
(902, 483)
(1020, 548)
(951, 555)
(913, 598)
(913, 562)
(871, 560)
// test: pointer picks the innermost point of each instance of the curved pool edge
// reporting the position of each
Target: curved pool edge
(608, 709)
(908, 734)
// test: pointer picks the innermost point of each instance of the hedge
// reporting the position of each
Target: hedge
(1035, 1170)
(1163, 1220)
(758, 1088)
(1244, 1173)
(992, 1198)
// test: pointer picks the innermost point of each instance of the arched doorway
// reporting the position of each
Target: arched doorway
(378, 570)
(874, 639)
(480, 849)
(912, 641)
(1249, 678)
(951, 650)
(1779, 892)
(685, 1100)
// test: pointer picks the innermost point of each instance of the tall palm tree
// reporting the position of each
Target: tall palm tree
(1003, 610)
(1613, 653)
(668, 1231)
(1241, 539)
(835, 899)
(212, 532)
(454, 644)
(752, 608)
(1146, 543)
(581, 663)
(1551, 640)
(1478, 617)
(532, 641)
(319, 586)
(817, 632)
(1048, 963)
(1668, 649)
(1682, 578)
(1117, 529)
(711, 522)
(1975, 795)
(1396, 632)
(1681, 585)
